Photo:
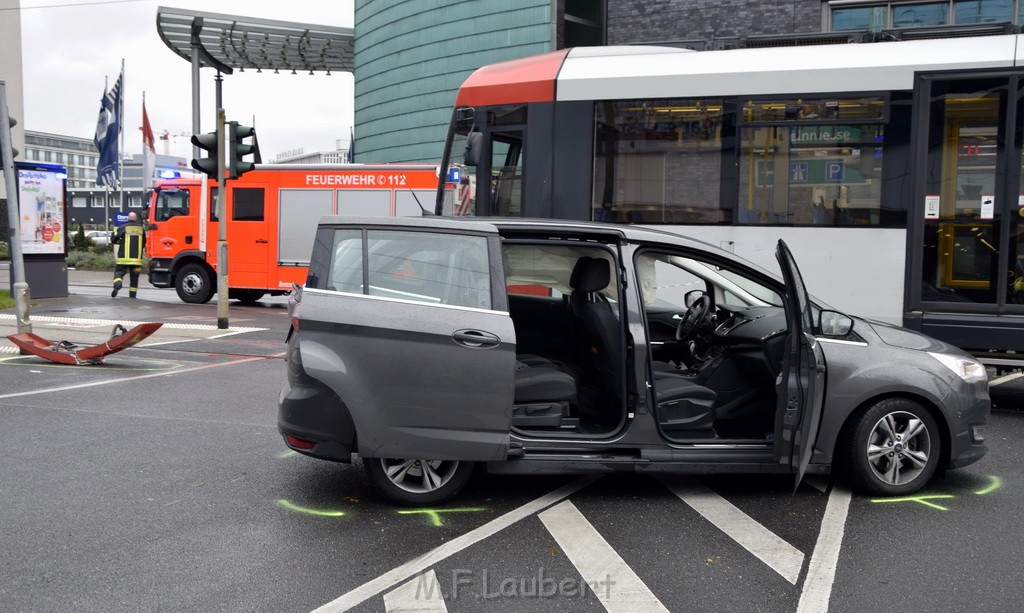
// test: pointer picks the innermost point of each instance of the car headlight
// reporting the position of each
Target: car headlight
(966, 368)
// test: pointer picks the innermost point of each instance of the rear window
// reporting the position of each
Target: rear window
(428, 267)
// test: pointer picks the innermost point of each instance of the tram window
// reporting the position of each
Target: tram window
(811, 175)
(658, 161)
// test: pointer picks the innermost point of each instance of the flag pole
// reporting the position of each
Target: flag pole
(120, 152)
(106, 188)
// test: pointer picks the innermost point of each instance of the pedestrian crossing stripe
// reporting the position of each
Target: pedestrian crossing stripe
(607, 575)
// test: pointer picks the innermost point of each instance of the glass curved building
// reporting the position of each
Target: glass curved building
(411, 58)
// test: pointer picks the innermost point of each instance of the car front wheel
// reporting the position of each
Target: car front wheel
(893, 448)
(418, 482)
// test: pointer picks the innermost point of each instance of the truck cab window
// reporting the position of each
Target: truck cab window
(171, 203)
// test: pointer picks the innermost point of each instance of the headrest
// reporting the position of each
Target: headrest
(590, 275)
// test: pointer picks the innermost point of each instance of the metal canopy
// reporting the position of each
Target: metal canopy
(227, 42)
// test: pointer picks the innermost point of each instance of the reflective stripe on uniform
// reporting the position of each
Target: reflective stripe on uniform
(129, 250)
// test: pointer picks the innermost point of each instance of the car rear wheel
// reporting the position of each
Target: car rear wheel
(418, 482)
(893, 447)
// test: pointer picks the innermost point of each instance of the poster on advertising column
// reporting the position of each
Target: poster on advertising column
(41, 206)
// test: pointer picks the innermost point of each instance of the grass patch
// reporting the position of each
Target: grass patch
(6, 300)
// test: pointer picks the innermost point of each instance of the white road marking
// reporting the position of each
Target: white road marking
(782, 557)
(165, 373)
(1005, 378)
(421, 594)
(821, 572)
(609, 577)
(387, 580)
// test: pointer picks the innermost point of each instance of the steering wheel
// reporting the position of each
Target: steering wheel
(694, 317)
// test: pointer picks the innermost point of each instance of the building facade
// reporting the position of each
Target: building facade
(340, 155)
(411, 58)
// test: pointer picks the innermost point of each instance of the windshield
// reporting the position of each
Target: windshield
(454, 171)
(171, 202)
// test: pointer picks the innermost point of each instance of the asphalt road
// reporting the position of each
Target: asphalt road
(158, 481)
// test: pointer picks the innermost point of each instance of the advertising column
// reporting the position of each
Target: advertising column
(43, 216)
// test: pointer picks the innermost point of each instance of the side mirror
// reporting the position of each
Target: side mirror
(832, 323)
(474, 143)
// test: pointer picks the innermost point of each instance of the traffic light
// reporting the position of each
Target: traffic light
(206, 165)
(237, 149)
(14, 152)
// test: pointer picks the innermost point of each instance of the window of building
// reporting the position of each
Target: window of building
(920, 15)
(982, 11)
(658, 161)
(872, 18)
(875, 16)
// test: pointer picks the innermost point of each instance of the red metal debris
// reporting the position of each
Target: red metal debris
(63, 352)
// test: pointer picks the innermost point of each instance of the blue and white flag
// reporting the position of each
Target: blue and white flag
(108, 131)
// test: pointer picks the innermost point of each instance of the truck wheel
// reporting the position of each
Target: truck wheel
(246, 296)
(418, 482)
(194, 284)
(893, 448)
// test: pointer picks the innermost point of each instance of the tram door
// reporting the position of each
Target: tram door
(973, 198)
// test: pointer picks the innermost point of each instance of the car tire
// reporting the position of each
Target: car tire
(406, 483)
(892, 448)
(194, 284)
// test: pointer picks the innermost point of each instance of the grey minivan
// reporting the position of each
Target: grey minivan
(432, 346)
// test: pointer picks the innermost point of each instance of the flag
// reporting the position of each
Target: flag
(108, 129)
(148, 149)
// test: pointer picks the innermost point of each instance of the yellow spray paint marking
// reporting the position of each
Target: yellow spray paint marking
(994, 484)
(319, 513)
(435, 514)
(288, 454)
(919, 499)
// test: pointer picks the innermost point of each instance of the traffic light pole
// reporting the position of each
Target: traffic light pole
(222, 225)
(20, 287)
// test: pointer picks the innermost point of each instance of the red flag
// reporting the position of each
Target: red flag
(148, 149)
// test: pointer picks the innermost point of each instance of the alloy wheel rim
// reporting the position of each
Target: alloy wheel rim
(419, 476)
(898, 448)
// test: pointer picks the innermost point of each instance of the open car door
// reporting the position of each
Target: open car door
(407, 321)
(801, 385)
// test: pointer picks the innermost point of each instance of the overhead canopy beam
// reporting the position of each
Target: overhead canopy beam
(228, 42)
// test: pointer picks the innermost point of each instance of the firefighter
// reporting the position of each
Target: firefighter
(129, 244)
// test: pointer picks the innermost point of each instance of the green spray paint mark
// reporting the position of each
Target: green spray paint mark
(287, 454)
(919, 499)
(435, 514)
(294, 507)
(994, 484)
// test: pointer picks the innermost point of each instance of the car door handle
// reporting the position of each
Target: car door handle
(476, 338)
(262, 240)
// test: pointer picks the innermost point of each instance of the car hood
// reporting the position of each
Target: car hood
(908, 339)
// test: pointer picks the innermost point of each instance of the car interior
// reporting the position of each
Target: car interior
(716, 337)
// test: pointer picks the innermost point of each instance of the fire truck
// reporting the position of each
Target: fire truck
(271, 214)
